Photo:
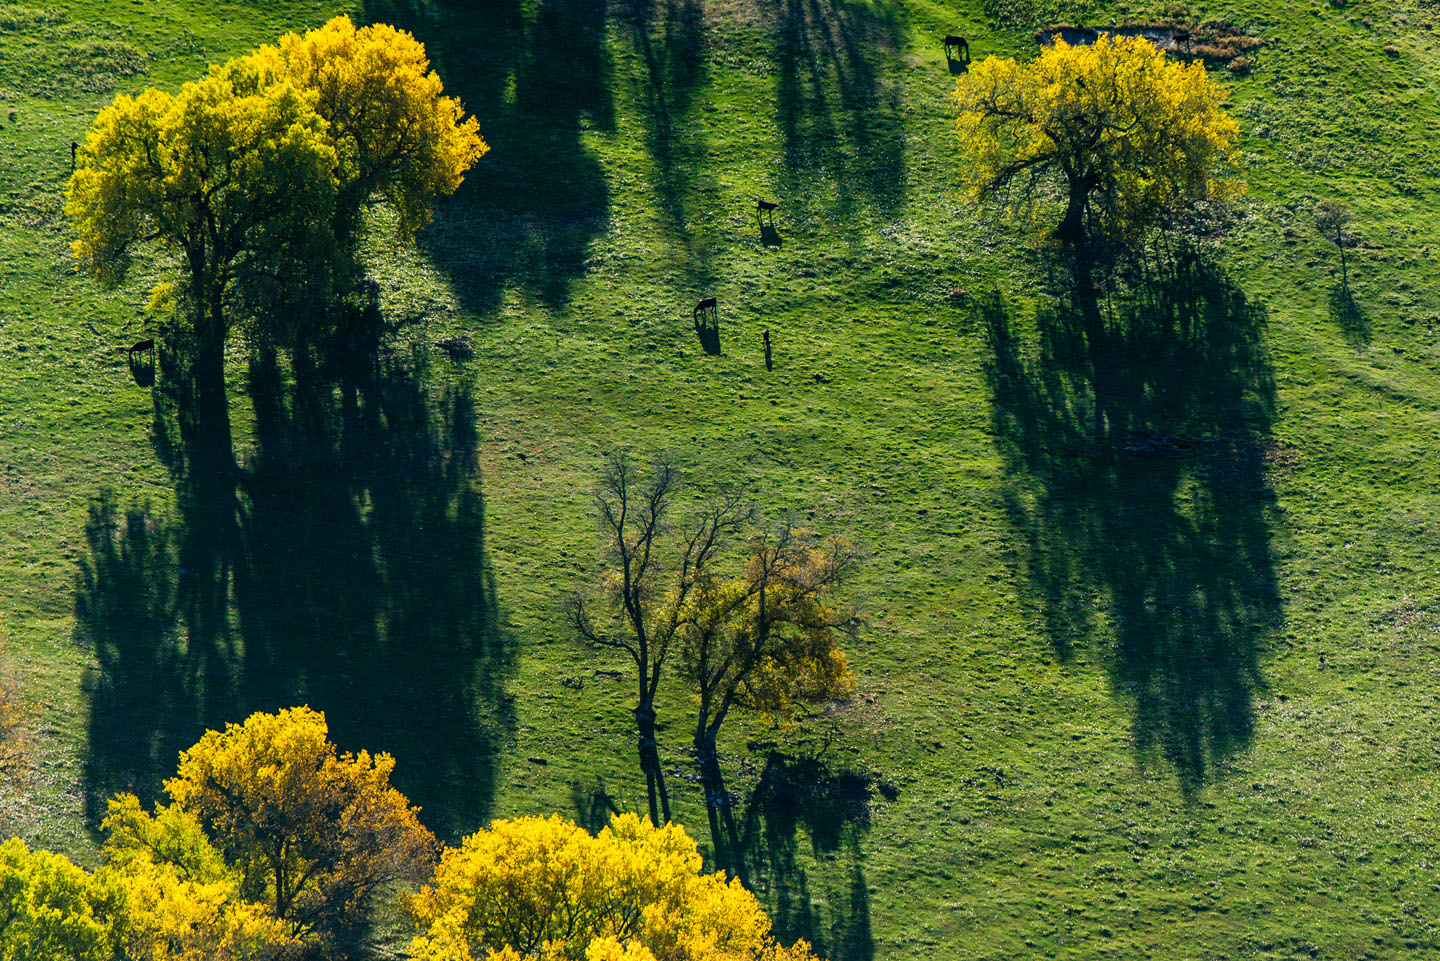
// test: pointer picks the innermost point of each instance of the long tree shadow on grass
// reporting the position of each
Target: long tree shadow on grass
(1134, 434)
(824, 898)
(828, 904)
(1349, 316)
(669, 36)
(839, 112)
(536, 76)
(342, 565)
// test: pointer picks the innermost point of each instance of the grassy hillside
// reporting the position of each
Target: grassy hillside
(1111, 704)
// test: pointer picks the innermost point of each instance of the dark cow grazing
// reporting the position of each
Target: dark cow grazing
(763, 207)
(707, 325)
(706, 305)
(141, 356)
(962, 48)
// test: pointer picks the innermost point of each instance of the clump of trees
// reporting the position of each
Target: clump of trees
(274, 843)
(641, 605)
(766, 639)
(255, 176)
(1124, 137)
(545, 888)
(744, 611)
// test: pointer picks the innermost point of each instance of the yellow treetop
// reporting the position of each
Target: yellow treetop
(1123, 134)
(264, 164)
(205, 171)
(544, 888)
(394, 131)
(312, 832)
(767, 640)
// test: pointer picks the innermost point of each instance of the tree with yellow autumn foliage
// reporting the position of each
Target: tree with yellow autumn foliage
(647, 584)
(214, 174)
(544, 888)
(309, 832)
(766, 640)
(254, 174)
(1122, 134)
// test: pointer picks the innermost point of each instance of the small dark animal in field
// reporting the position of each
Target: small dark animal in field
(962, 47)
(707, 325)
(141, 357)
(763, 207)
(703, 310)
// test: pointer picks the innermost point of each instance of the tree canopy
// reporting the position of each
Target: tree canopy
(257, 172)
(183, 902)
(766, 639)
(1124, 135)
(273, 838)
(395, 134)
(215, 172)
(311, 832)
(545, 888)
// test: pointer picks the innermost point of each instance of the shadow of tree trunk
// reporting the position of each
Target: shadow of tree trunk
(806, 797)
(1348, 315)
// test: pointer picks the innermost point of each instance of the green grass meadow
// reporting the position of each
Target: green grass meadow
(1111, 704)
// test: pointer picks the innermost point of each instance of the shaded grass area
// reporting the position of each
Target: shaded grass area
(1136, 439)
(1093, 715)
(343, 563)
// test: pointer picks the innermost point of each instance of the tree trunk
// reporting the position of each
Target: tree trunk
(1072, 227)
(650, 764)
(212, 442)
